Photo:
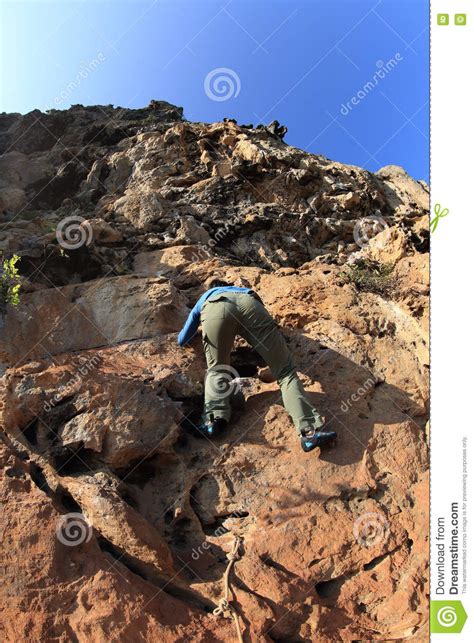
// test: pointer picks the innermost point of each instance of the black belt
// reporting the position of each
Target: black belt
(222, 296)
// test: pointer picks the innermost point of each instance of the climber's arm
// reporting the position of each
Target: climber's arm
(190, 327)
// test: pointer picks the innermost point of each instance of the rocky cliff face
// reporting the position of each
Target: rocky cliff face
(117, 518)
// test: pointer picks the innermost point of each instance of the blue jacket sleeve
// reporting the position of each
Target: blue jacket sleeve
(190, 327)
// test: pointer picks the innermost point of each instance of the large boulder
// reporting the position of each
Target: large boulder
(100, 313)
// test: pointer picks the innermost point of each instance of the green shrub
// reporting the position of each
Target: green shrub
(10, 281)
(369, 276)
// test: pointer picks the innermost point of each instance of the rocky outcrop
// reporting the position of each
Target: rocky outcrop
(118, 518)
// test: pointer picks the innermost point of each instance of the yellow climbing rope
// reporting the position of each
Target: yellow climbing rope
(225, 608)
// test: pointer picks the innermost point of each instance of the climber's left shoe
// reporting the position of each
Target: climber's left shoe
(212, 428)
(312, 438)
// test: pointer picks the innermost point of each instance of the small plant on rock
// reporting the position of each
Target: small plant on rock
(10, 282)
(369, 276)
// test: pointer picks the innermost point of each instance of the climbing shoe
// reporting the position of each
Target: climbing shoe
(212, 428)
(312, 438)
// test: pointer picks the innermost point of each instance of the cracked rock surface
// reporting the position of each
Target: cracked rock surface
(98, 402)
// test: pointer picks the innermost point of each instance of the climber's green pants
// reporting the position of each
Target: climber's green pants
(225, 315)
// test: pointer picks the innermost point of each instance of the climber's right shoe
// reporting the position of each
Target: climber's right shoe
(212, 428)
(312, 438)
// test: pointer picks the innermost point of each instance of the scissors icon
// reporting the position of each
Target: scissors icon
(439, 214)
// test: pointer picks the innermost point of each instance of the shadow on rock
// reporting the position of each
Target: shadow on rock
(352, 399)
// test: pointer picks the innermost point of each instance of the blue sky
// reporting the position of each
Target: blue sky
(297, 61)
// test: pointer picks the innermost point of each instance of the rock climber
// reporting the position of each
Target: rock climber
(225, 311)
